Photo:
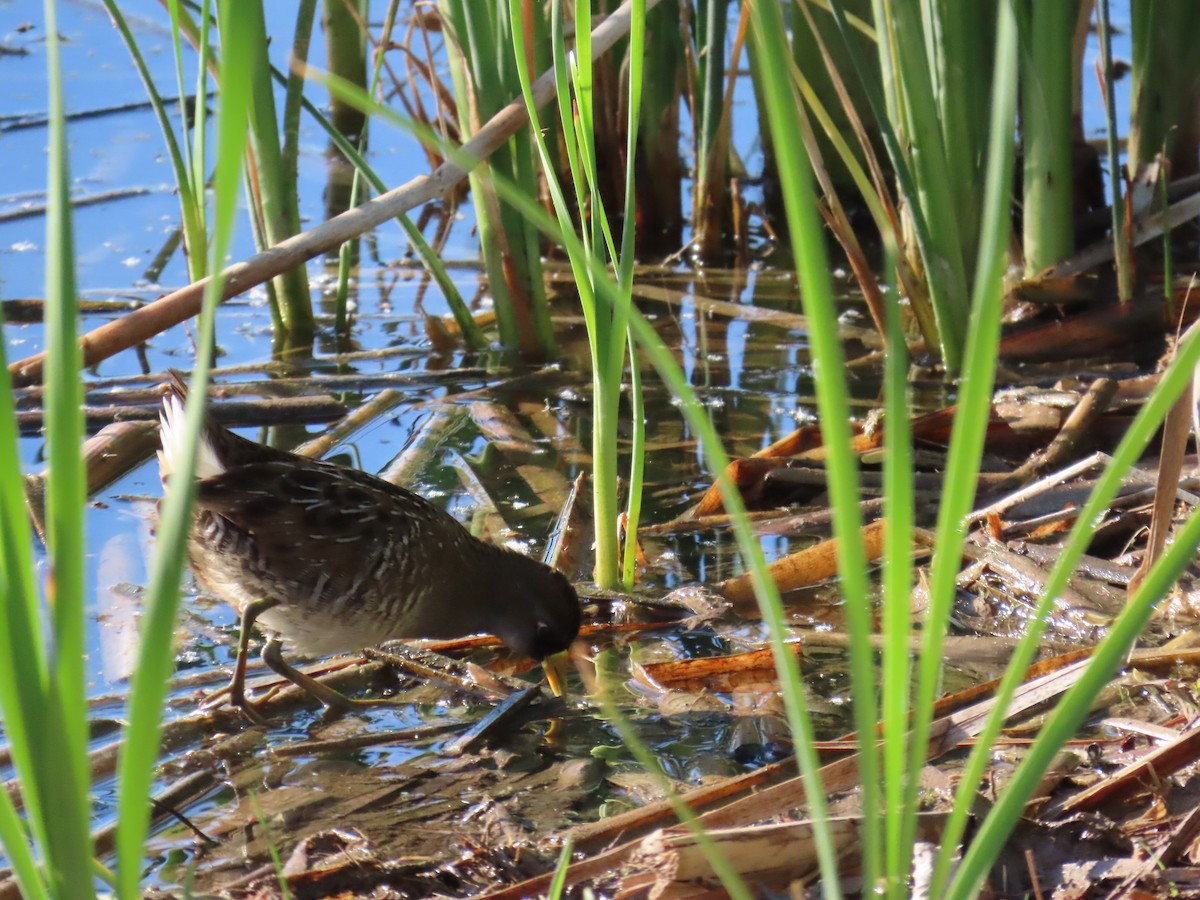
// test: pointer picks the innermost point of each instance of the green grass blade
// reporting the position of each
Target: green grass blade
(24, 666)
(191, 198)
(15, 841)
(624, 296)
(559, 882)
(899, 513)
(975, 398)
(294, 89)
(137, 762)
(907, 180)
(807, 234)
(63, 757)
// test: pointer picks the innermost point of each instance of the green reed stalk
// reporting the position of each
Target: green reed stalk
(187, 155)
(199, 142)
(1047, 94)
(710, 24)
(637, 469)
(616, 337)
(346, 58)
(960, 44)
(878, 85)
(1166, 83)
(306, 11)
(898, 578)
(472, 334)
(45, 707)
(136, 766)
(616, 360)
(816, 292)
(606, 321)
(920, 118)
(24, 670)
(344, 24)
(273, 175)
(485, 76)
(974, 401)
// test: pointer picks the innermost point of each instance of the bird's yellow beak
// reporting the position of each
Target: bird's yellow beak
(555, 667)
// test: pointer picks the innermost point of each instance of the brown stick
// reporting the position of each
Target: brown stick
(356, 419)
(1170, 465)
(273, 411)
(805, 567)
(1091, 406)
(108, 455)
(142, 324)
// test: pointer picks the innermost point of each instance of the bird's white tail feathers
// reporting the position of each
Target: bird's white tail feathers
(171, 433)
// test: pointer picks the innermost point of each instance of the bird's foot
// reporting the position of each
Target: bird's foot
(330, 698)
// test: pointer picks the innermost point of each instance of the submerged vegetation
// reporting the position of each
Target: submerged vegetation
(896, 128)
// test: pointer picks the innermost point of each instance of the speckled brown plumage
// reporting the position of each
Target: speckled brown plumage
(338, 560)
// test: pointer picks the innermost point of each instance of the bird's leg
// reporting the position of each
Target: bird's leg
(237, 686)
(273, 657)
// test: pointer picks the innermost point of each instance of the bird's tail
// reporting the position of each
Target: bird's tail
(208, 463)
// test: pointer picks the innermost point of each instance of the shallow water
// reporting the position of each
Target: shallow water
(755, 382)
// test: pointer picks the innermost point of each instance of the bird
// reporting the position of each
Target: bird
(329, 559)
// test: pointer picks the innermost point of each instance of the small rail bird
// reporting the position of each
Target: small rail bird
(329, 559)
